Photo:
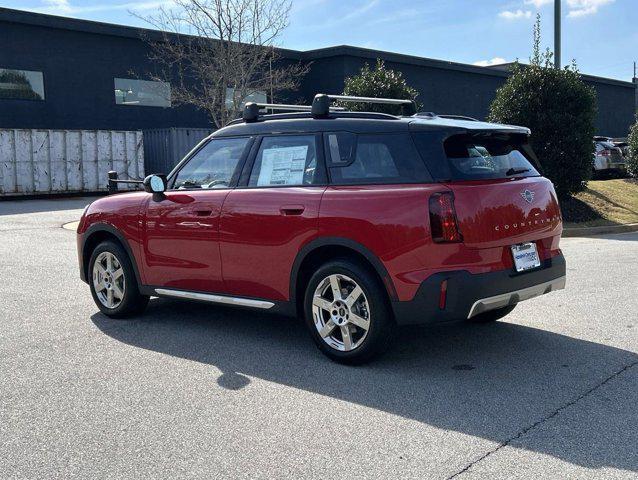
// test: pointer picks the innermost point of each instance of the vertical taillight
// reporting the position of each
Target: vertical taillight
(443, 223)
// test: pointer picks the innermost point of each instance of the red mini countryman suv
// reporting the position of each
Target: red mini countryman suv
(357, 222)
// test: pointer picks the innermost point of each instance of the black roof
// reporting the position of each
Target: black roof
(359, 123)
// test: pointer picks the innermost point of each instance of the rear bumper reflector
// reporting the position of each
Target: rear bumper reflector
(443, 295)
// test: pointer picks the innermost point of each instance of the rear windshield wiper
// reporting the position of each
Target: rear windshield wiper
(514, 171)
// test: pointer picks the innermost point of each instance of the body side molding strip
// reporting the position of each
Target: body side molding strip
(209, 297)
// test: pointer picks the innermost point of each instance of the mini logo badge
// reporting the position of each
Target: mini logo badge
(528, 196)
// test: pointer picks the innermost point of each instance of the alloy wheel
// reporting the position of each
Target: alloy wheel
(108, 280)
(341, 312)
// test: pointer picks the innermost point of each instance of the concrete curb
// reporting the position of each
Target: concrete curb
(593, 231)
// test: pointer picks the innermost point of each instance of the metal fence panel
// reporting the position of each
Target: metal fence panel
(59, 161)
(165, 147)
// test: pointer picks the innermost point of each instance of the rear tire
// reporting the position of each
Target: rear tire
(493, 315)
(113, 282)
(354, 325)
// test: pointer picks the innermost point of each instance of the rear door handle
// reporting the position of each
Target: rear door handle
(292, 209)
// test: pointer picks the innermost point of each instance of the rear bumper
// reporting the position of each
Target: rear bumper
(469, 295)
(604, 163)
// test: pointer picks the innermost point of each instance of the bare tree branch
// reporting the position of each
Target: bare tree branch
(209, 46)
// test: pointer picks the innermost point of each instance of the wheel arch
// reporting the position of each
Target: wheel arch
(322, 249)
(98, 233)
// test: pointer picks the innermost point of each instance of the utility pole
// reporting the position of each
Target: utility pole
(557, 22)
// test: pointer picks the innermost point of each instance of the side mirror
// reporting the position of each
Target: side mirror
(155, 183)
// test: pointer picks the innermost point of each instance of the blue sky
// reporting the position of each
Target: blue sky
(600, 34)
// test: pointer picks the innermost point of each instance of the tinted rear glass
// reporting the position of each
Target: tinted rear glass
(374, 159)
(488, 156)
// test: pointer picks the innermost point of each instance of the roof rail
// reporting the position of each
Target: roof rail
(321, 103)
(459, 117)
(252, 109)
(426, 114)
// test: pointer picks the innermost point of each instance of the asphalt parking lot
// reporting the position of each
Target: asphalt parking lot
(194, 390)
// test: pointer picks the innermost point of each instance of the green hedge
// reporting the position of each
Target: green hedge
(378, 82)
(560, 109)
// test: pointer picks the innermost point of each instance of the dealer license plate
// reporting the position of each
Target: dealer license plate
(525, 256)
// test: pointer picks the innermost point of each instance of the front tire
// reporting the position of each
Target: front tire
(113, 282)
(347, 312)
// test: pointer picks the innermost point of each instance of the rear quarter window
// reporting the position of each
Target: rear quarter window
(373, 159)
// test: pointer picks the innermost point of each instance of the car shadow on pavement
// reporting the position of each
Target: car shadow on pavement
(491, 381)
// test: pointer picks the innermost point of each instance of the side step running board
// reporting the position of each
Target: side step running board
(209, 297)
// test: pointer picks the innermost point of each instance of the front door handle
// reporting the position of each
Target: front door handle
(292, 209)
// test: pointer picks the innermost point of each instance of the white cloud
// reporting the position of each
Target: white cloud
(580, 8)
(518, 14)
(538, 3)
(409, 13)
(361, 10)
(351, 15)
(61, 6)
(576, 8)
(488, 63)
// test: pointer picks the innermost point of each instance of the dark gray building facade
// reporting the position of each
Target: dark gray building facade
(79, 68)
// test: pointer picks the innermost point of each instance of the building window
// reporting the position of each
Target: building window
(21, 84)
(257, 97)
(142, 93)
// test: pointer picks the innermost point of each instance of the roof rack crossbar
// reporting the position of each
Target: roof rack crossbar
(252, 109)
(321, 103)
(389, 101)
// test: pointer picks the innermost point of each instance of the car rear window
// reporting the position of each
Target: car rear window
(374, 159)
(489, 156)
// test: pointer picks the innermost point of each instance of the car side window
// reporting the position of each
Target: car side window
(374, 159)
(212, 166)
(285, 160)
